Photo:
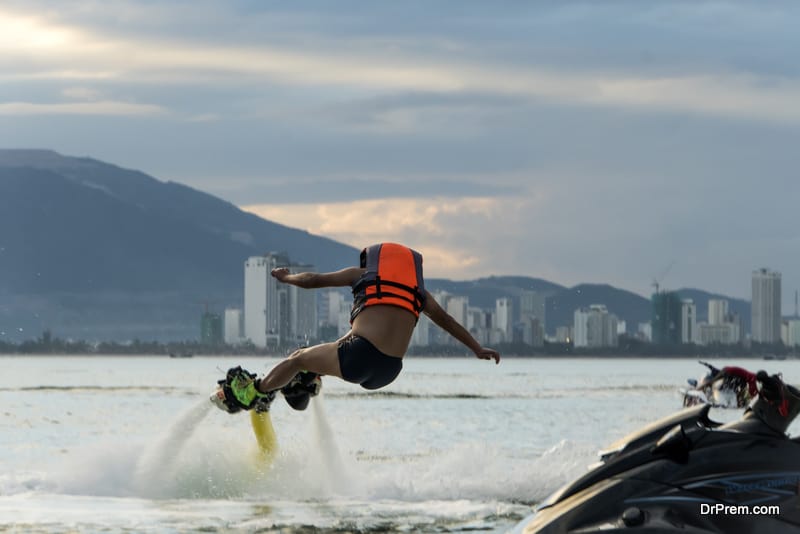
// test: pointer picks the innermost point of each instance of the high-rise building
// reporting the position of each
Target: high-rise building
(766, 306)
(532, 304)
(717, 311)
(645, 332)
(211, 329)
(722, 328)
(479, 323)
(437, 336)
(595, 327)
(277, 314)
(233, 326)
(333, 303)
(301, 326)
(503, 318)
(688, 322)
(421, 335)
(532, 331)
(260, 300)
(790, 332)
(666, 318)
(564, 334)
(727, 333)
(458, 308)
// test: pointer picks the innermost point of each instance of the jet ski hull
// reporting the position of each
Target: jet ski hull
(688, 474)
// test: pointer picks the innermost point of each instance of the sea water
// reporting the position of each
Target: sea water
(132, 444)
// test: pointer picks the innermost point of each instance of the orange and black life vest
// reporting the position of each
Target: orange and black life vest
(393, 277)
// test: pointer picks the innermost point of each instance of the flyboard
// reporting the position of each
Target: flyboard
(297, 393)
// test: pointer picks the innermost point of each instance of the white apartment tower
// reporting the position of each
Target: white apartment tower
(717, 311)
(790, 332)
(689, 322)
(233, 326)
(503, 318)
(301, 323)
(595, 327)
(457, 308)
(421, 336)
(532, 304)
(766, 306)
(276, 314)
(260, 299)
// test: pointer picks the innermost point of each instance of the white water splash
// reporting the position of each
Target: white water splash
(156, 469)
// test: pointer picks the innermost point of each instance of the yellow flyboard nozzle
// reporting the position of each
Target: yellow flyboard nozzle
(265, 434)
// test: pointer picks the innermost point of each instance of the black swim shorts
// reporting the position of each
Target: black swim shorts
(362, 363)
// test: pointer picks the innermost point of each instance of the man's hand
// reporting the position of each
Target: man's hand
(488, 354)
(280, 273)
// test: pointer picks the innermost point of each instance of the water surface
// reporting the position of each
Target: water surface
(130, 444)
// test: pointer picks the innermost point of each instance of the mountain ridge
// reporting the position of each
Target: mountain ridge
(89, 249)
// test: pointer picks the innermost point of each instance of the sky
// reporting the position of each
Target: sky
(615, 142)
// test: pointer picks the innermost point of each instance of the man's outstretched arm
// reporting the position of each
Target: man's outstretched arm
(345, 277)
(446, 322)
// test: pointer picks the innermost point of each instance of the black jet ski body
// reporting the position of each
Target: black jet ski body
(686, 473)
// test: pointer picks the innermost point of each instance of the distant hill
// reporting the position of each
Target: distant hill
(94, 251)
(85, 243)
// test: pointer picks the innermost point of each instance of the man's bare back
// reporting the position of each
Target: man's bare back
(389, 328)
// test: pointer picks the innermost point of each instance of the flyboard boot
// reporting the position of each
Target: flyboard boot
(301, 388)
(237, 391)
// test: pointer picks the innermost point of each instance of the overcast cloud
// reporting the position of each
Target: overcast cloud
(574, 141)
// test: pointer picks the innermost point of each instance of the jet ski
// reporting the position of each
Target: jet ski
(688, 474)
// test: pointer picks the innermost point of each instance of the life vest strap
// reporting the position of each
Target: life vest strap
(416, 302)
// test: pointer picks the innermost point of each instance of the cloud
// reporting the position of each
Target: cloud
(431, 226)
(107, 108)
(30, 35)
(581, 141)
(333, 189)
(81, 93)
(58, 48)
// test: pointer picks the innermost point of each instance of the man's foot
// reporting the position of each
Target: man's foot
(301, 388)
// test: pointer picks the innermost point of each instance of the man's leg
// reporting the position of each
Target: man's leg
(321, 359)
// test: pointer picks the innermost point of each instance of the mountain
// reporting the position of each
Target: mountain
(84, 242)
(93, 251)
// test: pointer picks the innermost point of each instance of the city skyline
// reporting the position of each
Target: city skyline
(277, 315)
(597, 142)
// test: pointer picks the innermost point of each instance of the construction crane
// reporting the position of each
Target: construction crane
(657, 281)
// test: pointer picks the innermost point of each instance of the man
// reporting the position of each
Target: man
(389, 294)
(730, 379)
